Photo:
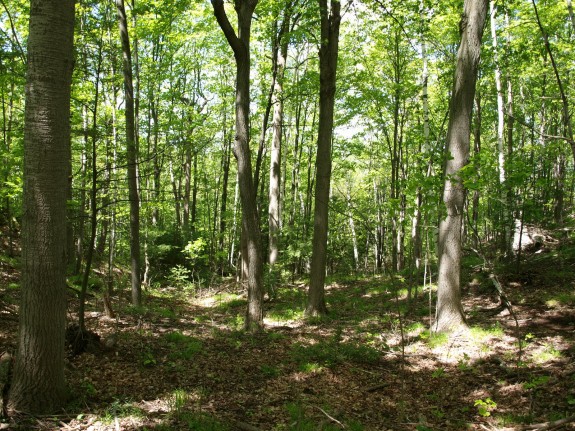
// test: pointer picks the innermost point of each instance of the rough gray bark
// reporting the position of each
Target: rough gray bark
(328, 53)
(449, 313)
(38, 385)
(240, 45)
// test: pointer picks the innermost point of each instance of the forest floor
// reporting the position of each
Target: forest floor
(182, 362)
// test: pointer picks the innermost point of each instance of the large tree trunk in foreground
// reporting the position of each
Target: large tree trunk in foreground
(132, 157)
(449, 313)
(240, 44)
(38, 386)
(330, 20)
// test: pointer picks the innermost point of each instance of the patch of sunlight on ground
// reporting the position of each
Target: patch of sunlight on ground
(217, 300)
(545, 353)
(273, 322)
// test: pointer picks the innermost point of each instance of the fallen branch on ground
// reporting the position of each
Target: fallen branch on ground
(549, 425)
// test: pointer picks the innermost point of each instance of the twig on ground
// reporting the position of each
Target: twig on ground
(331, 418)
(376, 387)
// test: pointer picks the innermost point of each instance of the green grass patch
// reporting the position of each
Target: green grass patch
(560, 298)
(226, 302)
(415, 328)
(269, 371)
(434, 339)
(331, 353)
(480, 334)
(546, 354)
(285, 314)
(121, 409)
(182, 346)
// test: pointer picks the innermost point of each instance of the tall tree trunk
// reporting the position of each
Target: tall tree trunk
(501, 156)
(194, 209)
(93, 196)
(558, 199)
(187, 169)
(416, 220)
(38, 384)
(352, 230)
(81, 213)
(224, 202)
(155, 159)
(240, 44)
(132, 157)
(476, 151)
(449, 312)
(509, 199)
(7, 116)
(328, 53)
(176, 186)
(274, 216)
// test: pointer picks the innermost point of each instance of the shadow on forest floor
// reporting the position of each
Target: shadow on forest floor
(181, 362)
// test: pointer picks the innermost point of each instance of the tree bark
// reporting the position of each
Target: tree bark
(280, 55)
(38, 385)
(328, 53)
(449, 312)
(240, 45)
(132, 157)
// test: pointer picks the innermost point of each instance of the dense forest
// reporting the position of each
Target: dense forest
(287, 215)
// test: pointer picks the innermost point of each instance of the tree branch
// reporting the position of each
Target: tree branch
(226, 27)
(16, 41)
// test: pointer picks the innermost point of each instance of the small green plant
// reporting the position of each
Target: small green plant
(148, 359)
(166, 313)
(439, 414)
(120, 409)
(463, 364)
(485, 407)
(177, 401)
(536, 382)
(310, 367)
(440, 372)
(179, 276)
